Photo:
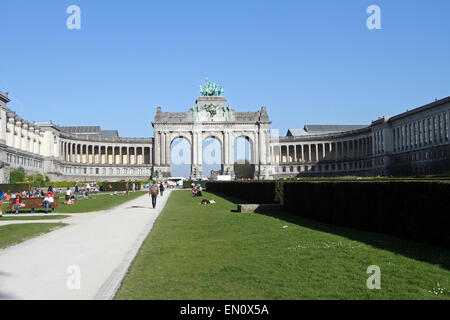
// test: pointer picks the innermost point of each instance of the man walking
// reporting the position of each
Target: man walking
(161, 189)
(2, 195)
(153, 192)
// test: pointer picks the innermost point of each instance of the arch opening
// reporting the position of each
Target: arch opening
(212, 157)
(180, 157)
(243, 163)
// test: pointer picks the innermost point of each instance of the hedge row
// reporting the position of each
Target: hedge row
(17, 187)
(188, 184)
(411, 210)
(251, 191)
(119, 186)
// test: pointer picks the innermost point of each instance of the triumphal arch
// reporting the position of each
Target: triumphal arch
(211, 117)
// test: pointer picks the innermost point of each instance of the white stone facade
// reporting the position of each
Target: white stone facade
(415, 142)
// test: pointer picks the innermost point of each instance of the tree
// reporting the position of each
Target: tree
(17, 175)
(37, 180)
(244, 170)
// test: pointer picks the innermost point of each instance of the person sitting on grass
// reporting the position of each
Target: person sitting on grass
(198, 191)
(68, 194)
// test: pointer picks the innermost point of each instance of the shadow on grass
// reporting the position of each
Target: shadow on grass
(411, 249)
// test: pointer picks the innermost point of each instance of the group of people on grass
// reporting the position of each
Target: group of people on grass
(197, 190)
(16, 200)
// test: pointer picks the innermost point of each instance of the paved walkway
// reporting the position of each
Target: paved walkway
(85, 260)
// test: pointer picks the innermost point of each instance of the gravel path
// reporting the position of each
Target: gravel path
(85, 260)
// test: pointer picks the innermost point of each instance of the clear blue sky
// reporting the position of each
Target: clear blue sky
(309, 62)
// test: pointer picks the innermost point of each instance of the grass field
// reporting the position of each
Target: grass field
(102, 201)
(14, 234)
(212, 252)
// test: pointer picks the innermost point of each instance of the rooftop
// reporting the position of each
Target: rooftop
(316, 129)
(91, 130)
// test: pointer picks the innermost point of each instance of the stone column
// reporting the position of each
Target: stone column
(152, 153)
(200, 149)
(194, 149)
(113, 149)
(157, 147)
(226, 147)
(168, 141)
(261, 152)
(162, 149)
(231, 148)
(295, 154)
(280, 160)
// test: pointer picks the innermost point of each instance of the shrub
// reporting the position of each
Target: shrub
(188, 184)
(17, 175)
(252, 191)
(411, 210)
(119, 186)
(15, 188)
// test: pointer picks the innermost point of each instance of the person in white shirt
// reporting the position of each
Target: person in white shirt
(48, 201)
(68, 194)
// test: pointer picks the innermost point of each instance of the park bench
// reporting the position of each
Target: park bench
(33, 203)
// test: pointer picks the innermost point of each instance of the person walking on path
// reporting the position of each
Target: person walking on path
(2, 195)
(153, 192)
(161, 189)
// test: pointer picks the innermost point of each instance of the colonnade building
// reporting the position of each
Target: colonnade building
(414, 142)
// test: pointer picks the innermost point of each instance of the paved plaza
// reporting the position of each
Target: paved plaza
(85, 260)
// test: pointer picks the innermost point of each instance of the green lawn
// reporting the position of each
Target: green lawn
(102, 201)
(13, 234)
(20, 218)
(212, 252)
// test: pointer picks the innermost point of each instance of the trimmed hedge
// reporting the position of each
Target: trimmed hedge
(119, 186)
(412, 210)
(251, 191)
(188, 184)
(16, 187)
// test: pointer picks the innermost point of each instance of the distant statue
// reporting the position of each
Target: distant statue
(211, 89)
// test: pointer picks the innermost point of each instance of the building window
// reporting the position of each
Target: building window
(430, 139)
(446, 126)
